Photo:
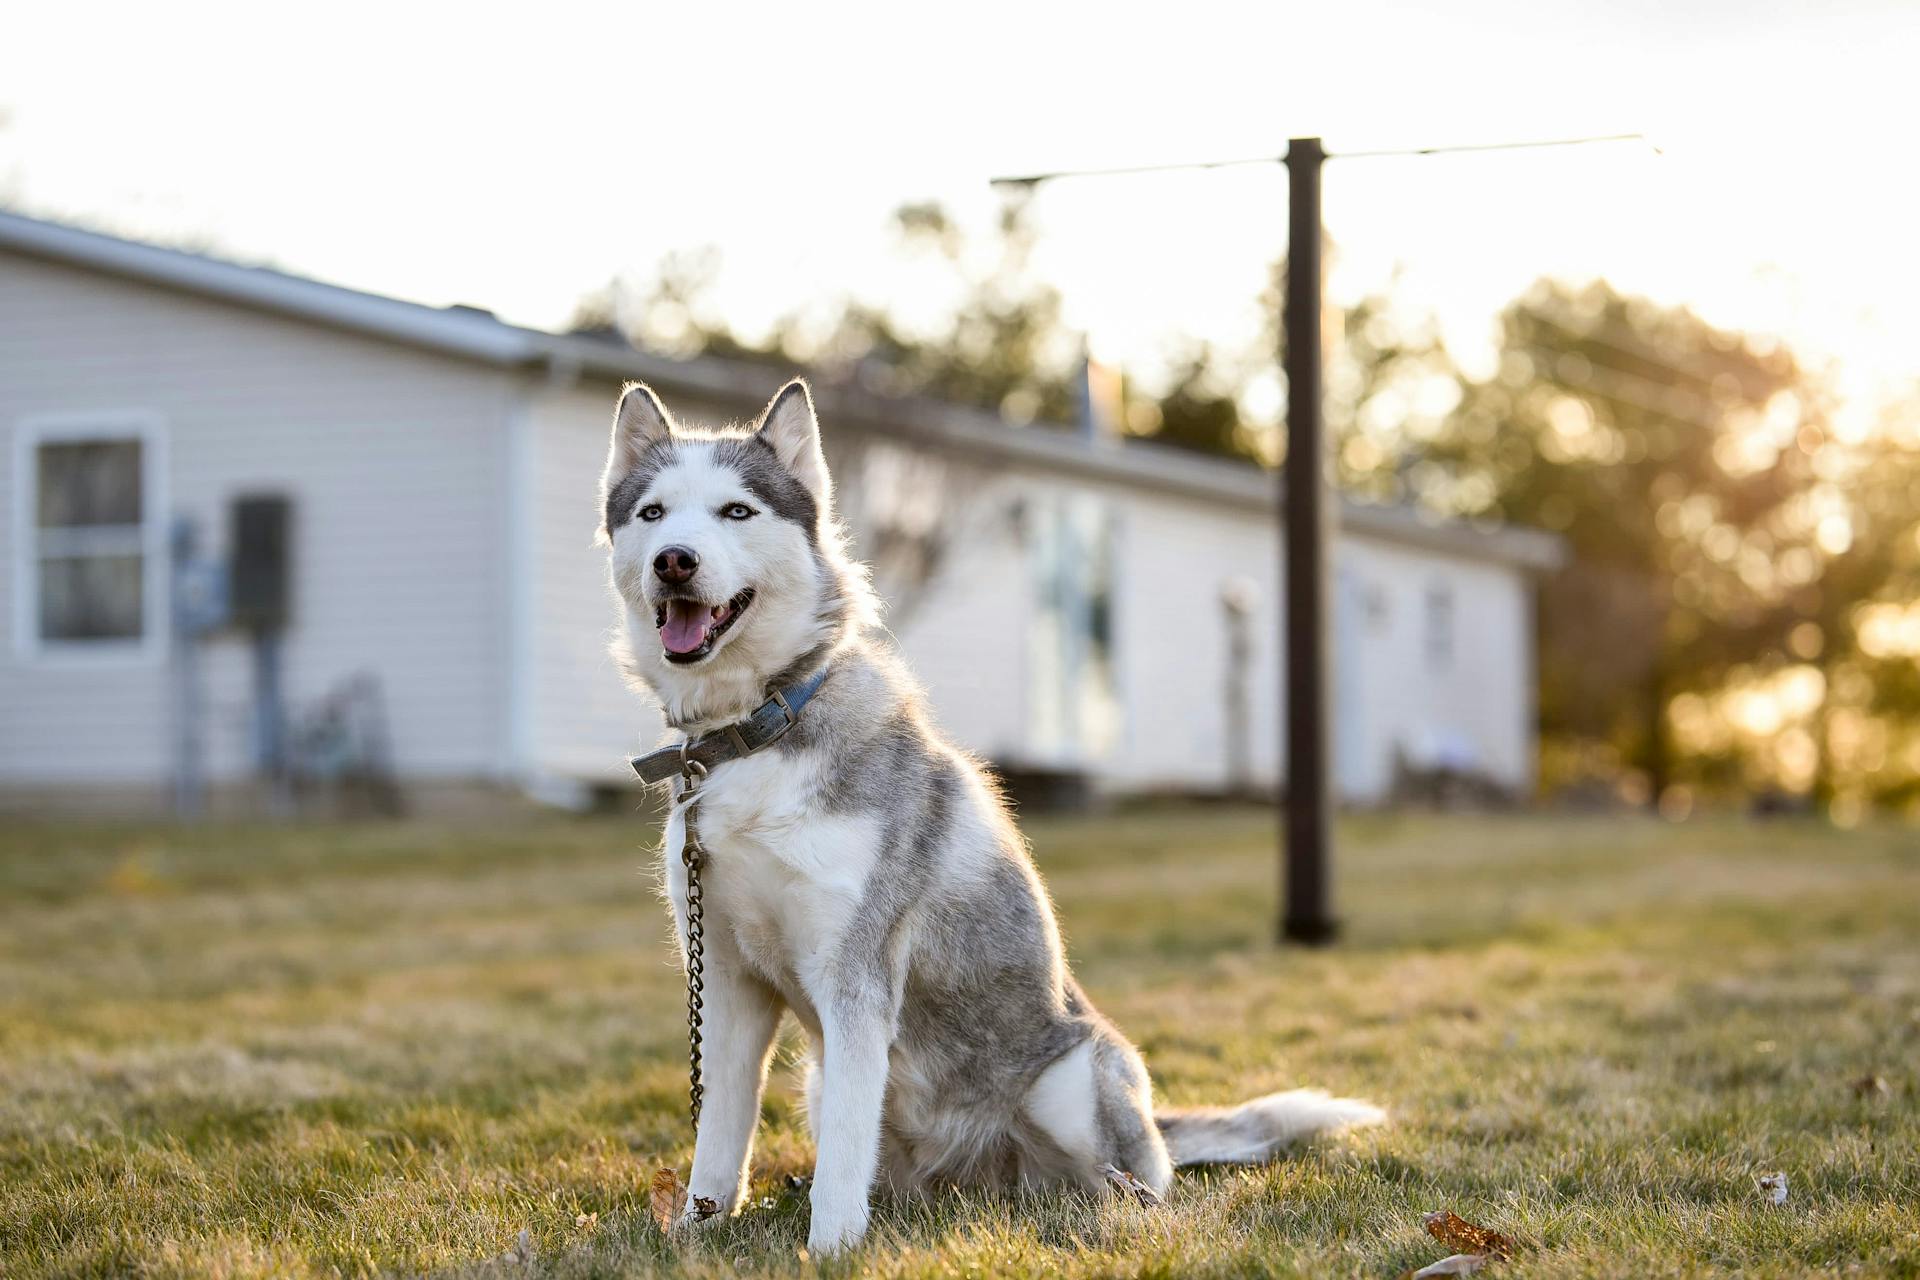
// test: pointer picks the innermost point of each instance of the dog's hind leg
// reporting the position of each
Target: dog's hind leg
(1062, 1105)
(1095, 1103)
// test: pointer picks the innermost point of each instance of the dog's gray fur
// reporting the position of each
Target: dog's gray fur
(865, 874)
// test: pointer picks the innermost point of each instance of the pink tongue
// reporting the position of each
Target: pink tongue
(686, 626)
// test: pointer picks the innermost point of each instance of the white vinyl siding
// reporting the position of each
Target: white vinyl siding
(392, 457)
(1179, 559)
(585, 721)
(1444, 666)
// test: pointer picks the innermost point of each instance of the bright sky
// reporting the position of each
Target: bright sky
(519, 159)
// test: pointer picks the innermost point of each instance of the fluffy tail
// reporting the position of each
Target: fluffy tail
(1254, 1132)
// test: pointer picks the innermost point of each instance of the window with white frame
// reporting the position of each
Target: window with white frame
(1074, 712)
(1439, 626)
(91, 535)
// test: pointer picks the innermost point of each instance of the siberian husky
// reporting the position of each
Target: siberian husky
(862, 871)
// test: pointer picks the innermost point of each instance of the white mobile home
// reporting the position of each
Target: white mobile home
(1076, 606)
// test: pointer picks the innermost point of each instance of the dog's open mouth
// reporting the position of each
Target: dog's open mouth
(690, 628)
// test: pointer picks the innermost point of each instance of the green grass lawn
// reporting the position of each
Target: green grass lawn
(396, 1048)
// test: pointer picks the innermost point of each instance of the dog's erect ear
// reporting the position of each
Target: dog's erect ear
(639, 421)
(789, 425)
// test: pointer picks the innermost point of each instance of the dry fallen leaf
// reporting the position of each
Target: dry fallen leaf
(667, 1198)
(1774, 1187)
(1872, 1086)
(1128, 1185)
(1457, 1233)
(1458, 1264)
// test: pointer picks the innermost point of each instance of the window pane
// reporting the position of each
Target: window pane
(1439, 627)
(89, 482)
(1074, 708)
(90, 598)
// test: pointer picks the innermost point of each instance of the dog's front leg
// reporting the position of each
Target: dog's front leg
(740, 1016)
(853, 1087)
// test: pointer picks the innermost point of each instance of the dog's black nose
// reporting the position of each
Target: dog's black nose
(676, 565)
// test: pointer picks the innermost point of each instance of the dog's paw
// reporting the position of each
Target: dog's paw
(674, 1210)
(836, 1231)
(701, 1213)
(1123, 1181)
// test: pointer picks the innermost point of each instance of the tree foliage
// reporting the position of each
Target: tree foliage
(1001, 345)
(1723, 537)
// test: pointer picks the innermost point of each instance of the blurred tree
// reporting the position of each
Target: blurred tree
(1390, 383)
(1723, 537)
(1199, 410)
(1860, 620)
(677, 314)
(1004, 347)
(1000, 346)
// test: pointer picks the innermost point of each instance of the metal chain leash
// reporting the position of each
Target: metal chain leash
(755, 732)
(693, 857)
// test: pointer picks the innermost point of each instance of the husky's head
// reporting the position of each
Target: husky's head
(726, 554)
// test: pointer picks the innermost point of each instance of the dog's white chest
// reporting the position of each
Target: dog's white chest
(784, 880)
(765, 907)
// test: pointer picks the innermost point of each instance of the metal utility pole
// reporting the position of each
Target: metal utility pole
(1306, 888)
(1306, 915)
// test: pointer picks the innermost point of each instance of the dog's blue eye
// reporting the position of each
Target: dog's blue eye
(652, 511)
(737, 511)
